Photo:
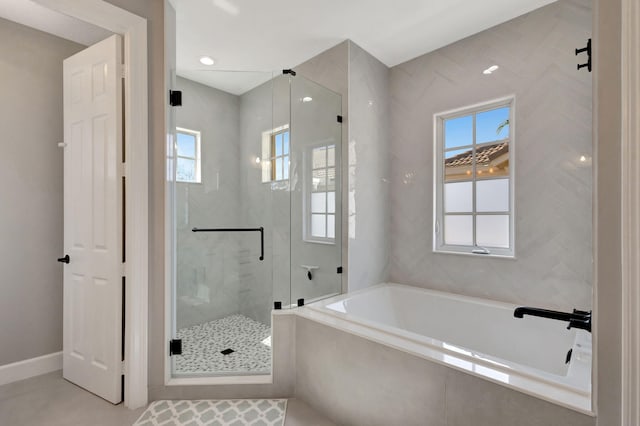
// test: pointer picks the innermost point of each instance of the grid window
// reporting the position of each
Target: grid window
(474, 180)
(188, 161)
(321, 220)
(279, 155)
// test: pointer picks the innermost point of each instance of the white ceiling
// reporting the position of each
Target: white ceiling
(276, 34)
(31, 14)
(261, 35)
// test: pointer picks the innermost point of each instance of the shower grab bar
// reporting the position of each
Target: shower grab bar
(260, 230)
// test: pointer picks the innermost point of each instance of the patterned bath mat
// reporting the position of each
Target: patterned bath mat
(225, 412)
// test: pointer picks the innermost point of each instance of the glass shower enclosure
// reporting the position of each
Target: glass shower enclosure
(255, 201)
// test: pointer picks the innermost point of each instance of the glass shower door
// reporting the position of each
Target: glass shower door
(256, 207)
(316, 219)
(223, 216)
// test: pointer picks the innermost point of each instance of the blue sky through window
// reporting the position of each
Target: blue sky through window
(459, 131)
(487, 124)
(186, 145)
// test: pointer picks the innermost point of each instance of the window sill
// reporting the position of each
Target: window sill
(326, 243)
(479, 255)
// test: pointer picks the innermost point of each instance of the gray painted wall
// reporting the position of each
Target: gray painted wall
(31, 212)
(553, 190)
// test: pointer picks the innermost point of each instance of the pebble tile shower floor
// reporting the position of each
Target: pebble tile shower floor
(203, 344)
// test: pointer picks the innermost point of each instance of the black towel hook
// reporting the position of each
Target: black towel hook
(586, 49)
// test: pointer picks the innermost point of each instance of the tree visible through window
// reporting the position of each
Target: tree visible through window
(188, 156)
(474, 180)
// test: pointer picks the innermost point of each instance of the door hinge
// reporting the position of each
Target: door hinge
(123, 71)
(175, 347)
(339, 119)
(175, 98)
(339, 270)
(123, 368)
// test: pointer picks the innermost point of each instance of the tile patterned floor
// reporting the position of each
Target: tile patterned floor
(202, 345)
(230, 412)
(52, 401)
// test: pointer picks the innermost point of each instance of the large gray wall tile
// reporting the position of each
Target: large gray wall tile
(369, 170)
(553, 189)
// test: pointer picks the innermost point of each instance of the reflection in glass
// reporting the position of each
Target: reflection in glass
(185, 170)
(320, 158)
(331, 226)
(331, 202)
(319, 202)
(186, 144)
(318, 225)
(331, 156)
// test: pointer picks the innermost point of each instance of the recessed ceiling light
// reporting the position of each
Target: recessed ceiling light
(307, 99)
(491, 69)
(207, 60)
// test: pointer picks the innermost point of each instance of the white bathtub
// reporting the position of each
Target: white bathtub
(474, 335)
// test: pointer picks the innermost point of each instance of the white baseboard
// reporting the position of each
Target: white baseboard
(30, 367)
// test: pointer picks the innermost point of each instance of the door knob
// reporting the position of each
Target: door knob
(64, 259)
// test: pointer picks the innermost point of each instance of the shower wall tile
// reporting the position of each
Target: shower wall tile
(369, 168)
(208, 267)
(331, 70)
(553, 188)
(261, 109)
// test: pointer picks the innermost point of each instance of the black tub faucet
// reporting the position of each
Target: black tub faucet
(576, 319)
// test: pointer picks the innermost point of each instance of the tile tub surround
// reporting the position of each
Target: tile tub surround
(553, 189)
(475, 336)
(359, 382)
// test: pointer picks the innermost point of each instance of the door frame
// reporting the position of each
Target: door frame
(133, 29)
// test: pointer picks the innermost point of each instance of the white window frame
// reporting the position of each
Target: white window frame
(438, 180)
(269, 154)
(308, 236)
(197, 159)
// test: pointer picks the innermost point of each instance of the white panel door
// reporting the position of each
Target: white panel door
(93, 213)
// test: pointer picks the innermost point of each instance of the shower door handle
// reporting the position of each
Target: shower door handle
(65, 259)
